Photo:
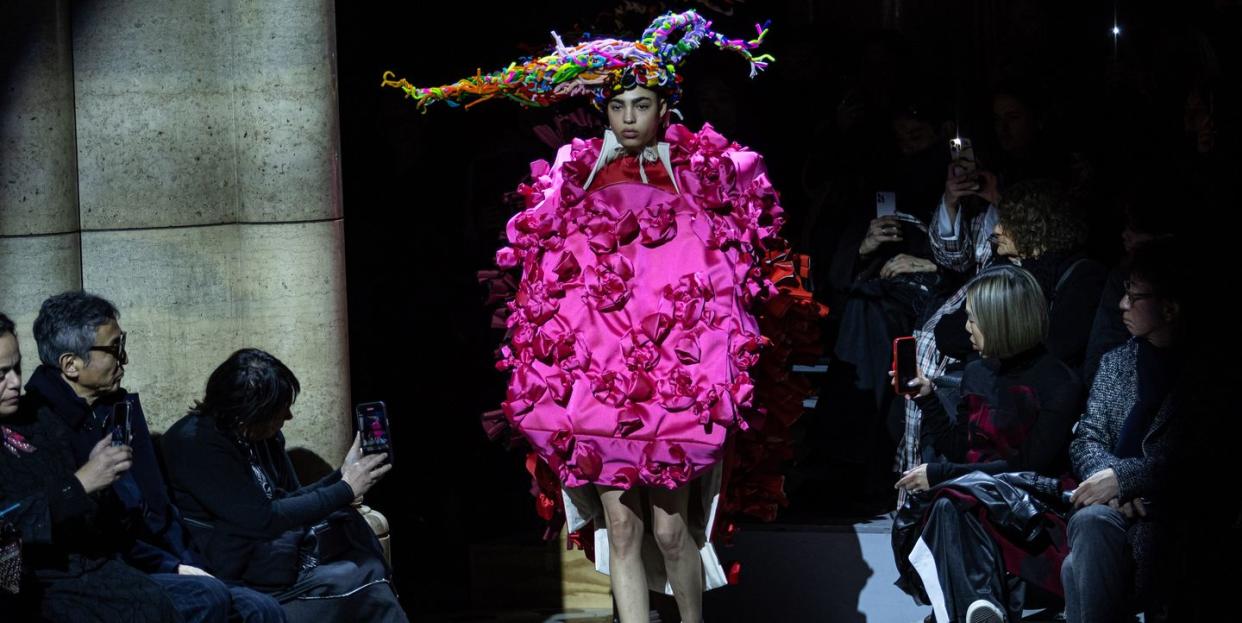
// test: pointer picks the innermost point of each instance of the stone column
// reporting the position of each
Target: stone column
(209, 182)
(39, 243)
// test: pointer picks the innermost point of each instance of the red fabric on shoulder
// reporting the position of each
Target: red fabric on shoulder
(625, 169)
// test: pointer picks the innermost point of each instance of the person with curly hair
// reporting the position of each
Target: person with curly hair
(1041, 230)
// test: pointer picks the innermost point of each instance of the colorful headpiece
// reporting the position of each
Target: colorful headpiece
(601, 67)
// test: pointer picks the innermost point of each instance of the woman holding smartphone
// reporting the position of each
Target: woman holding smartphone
(1018, 405)
(254, 523)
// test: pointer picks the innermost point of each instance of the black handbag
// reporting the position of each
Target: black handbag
(10, 558)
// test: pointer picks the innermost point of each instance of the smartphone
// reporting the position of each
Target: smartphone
(120, 424)
(885, 204)
(962, 152)
(905, 365)
(371, 420)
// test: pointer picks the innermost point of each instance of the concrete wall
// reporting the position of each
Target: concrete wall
(40, 250)
(202, 153)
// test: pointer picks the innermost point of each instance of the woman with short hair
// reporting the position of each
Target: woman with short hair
(1017, 407)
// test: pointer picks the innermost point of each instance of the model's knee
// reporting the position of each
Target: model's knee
(671, 537)
(625, 534)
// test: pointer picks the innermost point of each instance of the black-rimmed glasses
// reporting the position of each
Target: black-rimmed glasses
(117, 350)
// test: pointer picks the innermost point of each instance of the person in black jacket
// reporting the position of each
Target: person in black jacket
(1017, 407)
(252, 519)
(70, 570)
(82, 350)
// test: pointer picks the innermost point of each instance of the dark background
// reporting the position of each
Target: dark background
(424, 193)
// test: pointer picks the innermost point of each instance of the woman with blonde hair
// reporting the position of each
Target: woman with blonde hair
(1018, 405)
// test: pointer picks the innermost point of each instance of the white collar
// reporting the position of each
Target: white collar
(612, 149)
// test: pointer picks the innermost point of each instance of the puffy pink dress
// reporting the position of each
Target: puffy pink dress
(631, 334)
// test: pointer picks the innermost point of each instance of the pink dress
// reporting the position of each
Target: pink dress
(631, 334)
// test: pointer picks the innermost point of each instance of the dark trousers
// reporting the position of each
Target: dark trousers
(1096, 574)
(112, 591)
(251, 606)
(204, 599)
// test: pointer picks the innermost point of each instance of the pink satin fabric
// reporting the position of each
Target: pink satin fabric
(630, 334)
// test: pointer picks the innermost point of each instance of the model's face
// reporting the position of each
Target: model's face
(634, 117)
(10, 374)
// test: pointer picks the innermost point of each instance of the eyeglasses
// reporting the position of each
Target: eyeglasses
(1135, 296)
(117, 350)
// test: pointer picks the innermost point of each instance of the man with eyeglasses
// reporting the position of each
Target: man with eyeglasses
(82, 351)
(1121, 450)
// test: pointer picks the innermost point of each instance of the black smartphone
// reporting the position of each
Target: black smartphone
(371, 420)
(905, 365)
(120, 424)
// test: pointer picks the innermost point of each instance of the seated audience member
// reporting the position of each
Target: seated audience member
(82, 350)
(251, 518)
(1148, 217)
(1121, 448)
(1017, 406)
(1039, 230)
(71, 569)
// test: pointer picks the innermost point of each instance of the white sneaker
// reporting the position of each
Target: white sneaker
(984, 611)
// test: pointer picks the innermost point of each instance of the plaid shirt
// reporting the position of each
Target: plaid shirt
(962, 249)
(954, 255)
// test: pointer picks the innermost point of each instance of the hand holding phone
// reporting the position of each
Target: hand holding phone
(962, 152)
(371, 421)
(119, 424)
(905, 366)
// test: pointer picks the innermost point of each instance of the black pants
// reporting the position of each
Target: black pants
(964, 564)
(110, 592)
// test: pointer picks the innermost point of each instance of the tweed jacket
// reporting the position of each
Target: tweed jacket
(1113, 394)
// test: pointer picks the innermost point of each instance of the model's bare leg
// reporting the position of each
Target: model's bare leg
(681, 554)
(624, 515)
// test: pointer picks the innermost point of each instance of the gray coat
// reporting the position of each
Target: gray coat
(1113, 394)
